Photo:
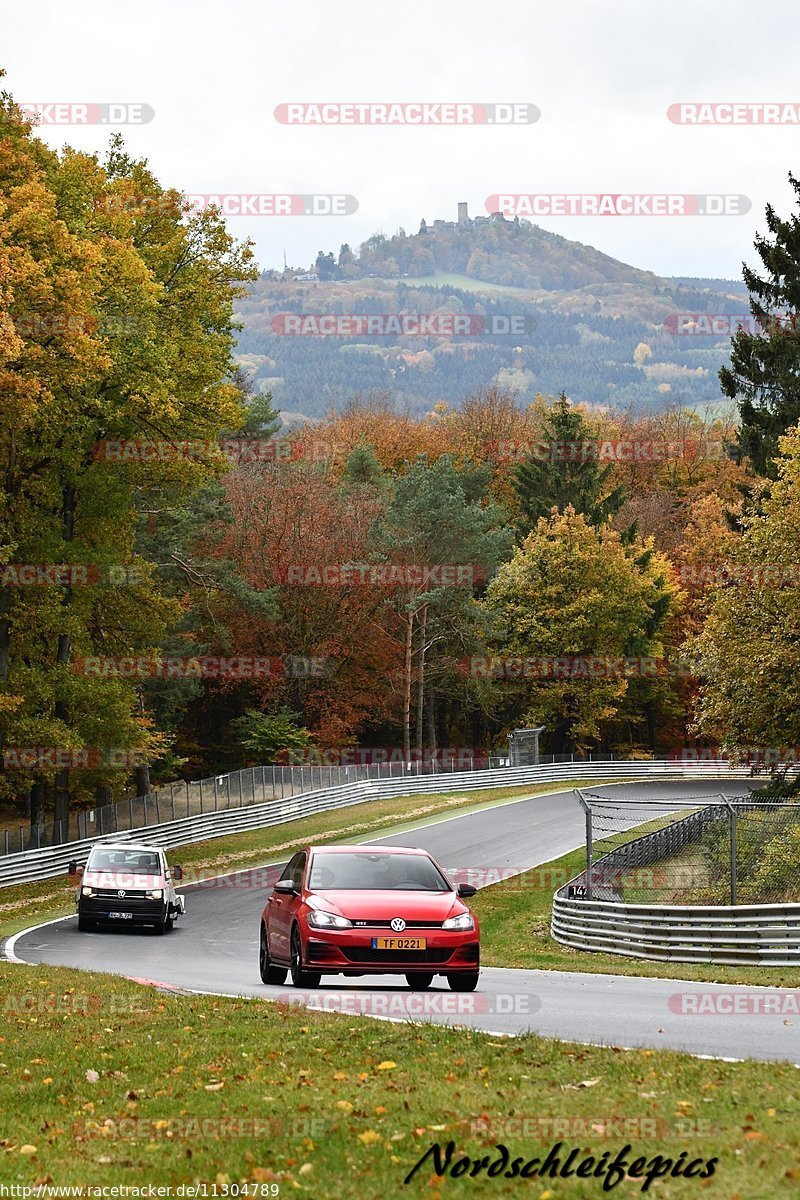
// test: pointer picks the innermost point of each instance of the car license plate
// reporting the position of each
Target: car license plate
(399, 943)
(120, 916)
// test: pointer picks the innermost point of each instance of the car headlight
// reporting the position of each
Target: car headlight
(462, 921)
(87, 891)
(318, 919)
(155, 895)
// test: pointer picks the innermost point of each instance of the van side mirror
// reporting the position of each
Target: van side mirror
(177, 874)
(74, 869)
(465, 890)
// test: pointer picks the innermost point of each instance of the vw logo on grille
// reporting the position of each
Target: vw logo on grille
(398, 924)
(121, 894)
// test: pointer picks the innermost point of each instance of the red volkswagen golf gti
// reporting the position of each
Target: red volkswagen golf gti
(364, 910)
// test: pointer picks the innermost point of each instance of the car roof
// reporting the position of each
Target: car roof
(127, 846)
(362, 849)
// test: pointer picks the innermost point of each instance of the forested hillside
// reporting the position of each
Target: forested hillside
(575, 315)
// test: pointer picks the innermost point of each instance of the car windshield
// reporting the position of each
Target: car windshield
(370, 872)
(132, 862)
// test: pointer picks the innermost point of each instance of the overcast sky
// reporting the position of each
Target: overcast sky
(602, 74)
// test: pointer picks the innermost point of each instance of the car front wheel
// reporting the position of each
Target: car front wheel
(463, 983)
(269, 973)
(419, 982)
(301, 978)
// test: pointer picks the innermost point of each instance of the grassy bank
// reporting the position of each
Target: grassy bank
(105, 1082)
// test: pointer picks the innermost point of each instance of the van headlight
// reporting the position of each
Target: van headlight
(318, 919)
(155, 895)
(462, 921)
(87, 891)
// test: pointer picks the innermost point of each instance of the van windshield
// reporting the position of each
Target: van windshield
(131, 862)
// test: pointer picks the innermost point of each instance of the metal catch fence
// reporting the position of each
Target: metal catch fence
(235, 789)
(723, 850)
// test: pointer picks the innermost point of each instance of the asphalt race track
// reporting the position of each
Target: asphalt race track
(215, 949)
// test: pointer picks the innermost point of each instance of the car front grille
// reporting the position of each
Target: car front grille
(385, 923)
(113, 894)
(365, 954)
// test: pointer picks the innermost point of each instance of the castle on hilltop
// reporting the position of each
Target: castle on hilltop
(465, 221)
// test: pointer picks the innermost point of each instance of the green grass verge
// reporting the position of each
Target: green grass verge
(27, 903)
(104, 1082)
(515, 932)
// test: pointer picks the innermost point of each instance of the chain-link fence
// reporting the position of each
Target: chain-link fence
(237, 789)
(698, 850)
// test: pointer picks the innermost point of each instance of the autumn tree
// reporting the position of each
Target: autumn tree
(573, 591)
(749, 657)
(764, 375)
(439, 517)
(121, 306)
(565, 472)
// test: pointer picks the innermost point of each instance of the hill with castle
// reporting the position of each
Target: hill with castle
(584, 315)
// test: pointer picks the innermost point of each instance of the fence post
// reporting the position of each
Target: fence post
(732, 825)
(201, 797)
(587, 809)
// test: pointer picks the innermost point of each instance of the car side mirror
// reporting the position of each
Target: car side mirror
(285, 887)
(465, 890)
(177, 874)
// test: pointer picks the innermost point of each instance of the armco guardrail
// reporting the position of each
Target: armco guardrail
(52, 861)
(758, 934)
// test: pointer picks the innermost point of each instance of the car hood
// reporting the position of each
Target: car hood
(364, 905)
(122, 879)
